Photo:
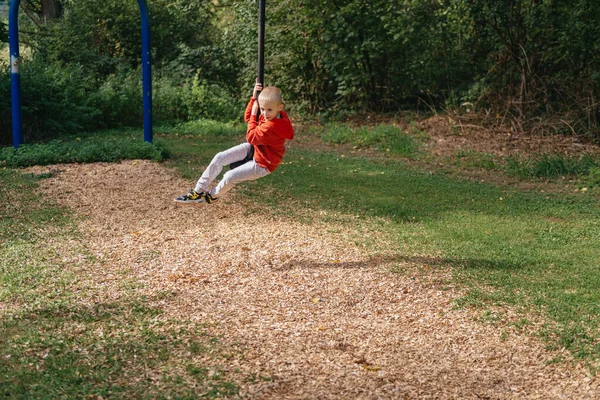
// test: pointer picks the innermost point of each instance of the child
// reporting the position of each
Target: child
(265, 138)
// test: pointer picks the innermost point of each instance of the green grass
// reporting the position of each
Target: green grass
(192, 145)
(472, 159)
(61, 336)
(385, 137)
(109, 350)
(535, 252)
(203, 128)
(532, 251)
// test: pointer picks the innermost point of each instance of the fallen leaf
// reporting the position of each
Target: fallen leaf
(372, 368)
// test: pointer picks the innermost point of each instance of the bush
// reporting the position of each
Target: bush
(54, 99)
(59, 100)
(119, 101)
(58, 152)
(208, 128)
(5, 102)
(550, 166)
(194, 99)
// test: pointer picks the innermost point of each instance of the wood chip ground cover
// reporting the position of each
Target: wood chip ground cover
(306, 312)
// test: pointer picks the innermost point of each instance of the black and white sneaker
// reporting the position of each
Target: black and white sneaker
(209, 199)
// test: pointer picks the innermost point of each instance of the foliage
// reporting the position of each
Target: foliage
(63, 99)
(194, 99)
(520, 61)
(3, 32)
(5, 104)
(82, 71)
(78, 151)
(551, 166)
(54, 99)
(102, 35)
(541, 58)
(364, 55)
(105, 38)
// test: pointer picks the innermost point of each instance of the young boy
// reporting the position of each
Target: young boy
(265, 137)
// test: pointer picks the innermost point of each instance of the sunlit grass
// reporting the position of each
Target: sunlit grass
(532, 251)
(387, 138)
(61, 336)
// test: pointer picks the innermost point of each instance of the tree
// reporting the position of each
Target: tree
(3, 32)
(364, 55)
(541, 59)
(42, 12)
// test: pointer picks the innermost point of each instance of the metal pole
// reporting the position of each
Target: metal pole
(261, 45)
(146, 71)
(261, 41)
(15, 75)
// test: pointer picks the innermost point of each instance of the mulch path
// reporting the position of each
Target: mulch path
(449, 134)
(301, 305)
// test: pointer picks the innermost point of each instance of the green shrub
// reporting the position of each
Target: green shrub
(550, 166)
(593, 177)
(5, 105)
(58, 152)
(58, 101)
(194, 99)
(208, 128)
(54, 99)
(119, 100)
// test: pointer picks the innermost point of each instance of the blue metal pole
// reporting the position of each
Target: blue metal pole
(15, 76)
(146, 71)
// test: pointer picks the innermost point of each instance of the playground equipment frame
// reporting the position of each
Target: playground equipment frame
(15, 75)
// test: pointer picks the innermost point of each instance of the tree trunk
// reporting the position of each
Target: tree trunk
(51, 9)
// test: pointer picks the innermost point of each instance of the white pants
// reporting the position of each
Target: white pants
(247, 172)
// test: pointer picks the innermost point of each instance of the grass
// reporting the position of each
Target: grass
(205, 129)
(472, 159)
(60, 336)
(194, 144)
(551, 166)
(532, 251)
(535, 252)
(385, 137)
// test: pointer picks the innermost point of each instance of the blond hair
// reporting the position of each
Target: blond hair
(270, 94)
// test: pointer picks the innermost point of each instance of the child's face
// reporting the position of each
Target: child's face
(270, 109)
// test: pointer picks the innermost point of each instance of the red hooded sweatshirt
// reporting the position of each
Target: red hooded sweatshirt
(268, 137)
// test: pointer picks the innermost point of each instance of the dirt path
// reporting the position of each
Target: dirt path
(314, 314)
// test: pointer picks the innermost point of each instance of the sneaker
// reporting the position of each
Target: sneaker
(209, 199)
(191, 197)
